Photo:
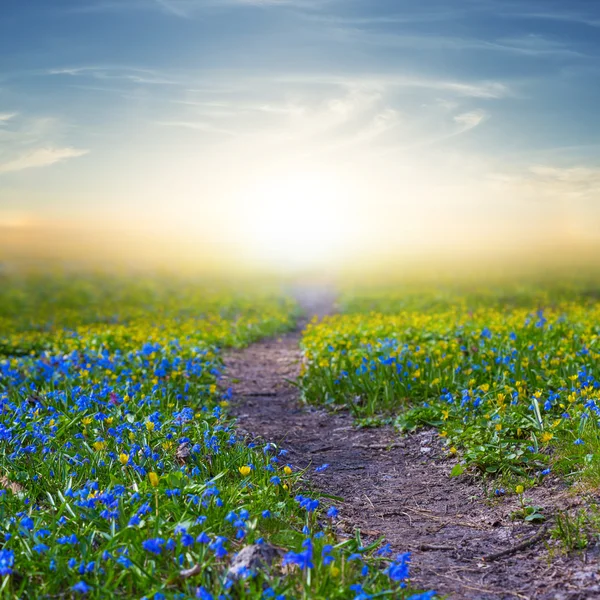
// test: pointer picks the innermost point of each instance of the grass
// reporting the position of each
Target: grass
(510, 376)
(121, 472)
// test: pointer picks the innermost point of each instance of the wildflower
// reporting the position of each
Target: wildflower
(546, 436)
(150, 425)
(153, 477)
(99, 445)
(187, 540)
(125, 562)
(203, 594)
(123, 458)
(7, 561)
(385, 550)
(398, 570)
(519, 489)
(321, 468)
(332, 513)
(578, 442)
(81, 588)
(203, 538)
(153, 545)
(287, 470)
(245, 470)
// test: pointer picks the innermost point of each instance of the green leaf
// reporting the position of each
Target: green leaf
(457, 470)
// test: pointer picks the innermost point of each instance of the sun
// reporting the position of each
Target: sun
(298, 220)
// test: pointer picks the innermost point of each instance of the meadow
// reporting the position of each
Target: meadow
(507, 373)
(121, 473)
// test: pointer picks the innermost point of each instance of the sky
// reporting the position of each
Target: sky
(298, 133)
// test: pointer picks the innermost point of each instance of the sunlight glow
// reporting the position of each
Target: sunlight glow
(297, 220)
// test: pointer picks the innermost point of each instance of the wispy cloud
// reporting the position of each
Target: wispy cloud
(203, 126)
(470, 120)
(132, 74)
(186, 9)
(529, 45)
(7, 116)
(485, 89)
(568, 17)
(41, 157)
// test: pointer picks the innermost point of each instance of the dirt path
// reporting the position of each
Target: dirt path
(399, 488)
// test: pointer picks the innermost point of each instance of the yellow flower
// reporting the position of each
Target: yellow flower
(87, 420)
(453, 450)
(149, 425)
(245, 470)
(547, 436)
(153, 477)
(519, 489)
(498, 427)
(109, 420)
(287, 470)
(99, 446)
(334, 571)
(123, 458)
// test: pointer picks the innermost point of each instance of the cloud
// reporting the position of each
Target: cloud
(7, 116)
(41, 157)
(132, 74)
(533, 45)
(487, 89)
(470, 120)
(197, 126)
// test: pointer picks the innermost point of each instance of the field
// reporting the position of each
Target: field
(509, 377)
(124, 472)
(121, 472)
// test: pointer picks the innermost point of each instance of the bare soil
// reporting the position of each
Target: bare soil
(399, 488)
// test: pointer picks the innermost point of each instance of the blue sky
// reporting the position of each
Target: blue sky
(180, 113)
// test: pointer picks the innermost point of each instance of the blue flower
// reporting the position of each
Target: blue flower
(153, 545)
(398, 570)
(7, 561)
(203, 594)
(423, 596)
(187, 540)
(81, 588)
(203, 538)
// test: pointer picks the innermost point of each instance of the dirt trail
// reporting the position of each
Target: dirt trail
(399, 487)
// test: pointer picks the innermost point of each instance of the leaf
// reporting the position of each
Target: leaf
(331, 497)
(535, 517)
(457, 470)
